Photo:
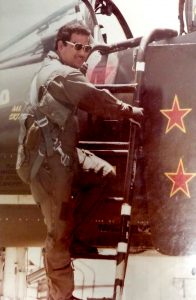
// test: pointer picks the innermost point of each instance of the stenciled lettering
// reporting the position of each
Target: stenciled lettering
(4, 97)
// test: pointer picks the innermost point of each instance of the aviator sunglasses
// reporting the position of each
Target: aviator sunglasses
(79, 46)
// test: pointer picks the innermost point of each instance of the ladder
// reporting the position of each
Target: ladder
(124, 243)
(125, 232)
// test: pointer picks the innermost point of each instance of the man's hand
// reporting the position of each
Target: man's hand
(137, 112)
(132, 112)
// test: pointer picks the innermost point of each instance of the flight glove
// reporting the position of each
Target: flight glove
(134, 112)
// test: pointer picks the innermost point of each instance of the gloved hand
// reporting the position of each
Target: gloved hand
(130, 111)
(133, 112)
(137, 112)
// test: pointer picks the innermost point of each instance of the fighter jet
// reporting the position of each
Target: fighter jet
(155, 168)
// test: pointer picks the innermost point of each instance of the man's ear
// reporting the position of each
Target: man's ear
(60, 45)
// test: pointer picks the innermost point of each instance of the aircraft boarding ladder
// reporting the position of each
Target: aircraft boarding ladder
(134, 146)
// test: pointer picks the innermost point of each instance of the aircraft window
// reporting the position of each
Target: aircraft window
(194, 12)
(190, 13)
(88, 16)
(109, 22)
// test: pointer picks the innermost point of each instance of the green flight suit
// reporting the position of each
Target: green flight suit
(61, 91)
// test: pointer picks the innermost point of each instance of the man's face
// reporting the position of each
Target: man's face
(71, 56)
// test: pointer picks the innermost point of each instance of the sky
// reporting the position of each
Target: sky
(141, 15)
(145, 15)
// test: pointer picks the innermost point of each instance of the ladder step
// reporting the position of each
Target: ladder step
(114, 199)
(95, 256)
(118, 88)
(99, 298)
(107, 152)
(104, 145)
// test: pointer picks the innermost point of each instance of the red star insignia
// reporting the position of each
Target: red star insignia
(175, 115)
(180, 180)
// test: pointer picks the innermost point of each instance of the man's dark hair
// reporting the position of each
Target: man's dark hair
(65, 32)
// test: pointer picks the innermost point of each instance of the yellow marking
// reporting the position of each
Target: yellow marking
(14, 116)
(16, 108)
(180, 180)
(175, 116)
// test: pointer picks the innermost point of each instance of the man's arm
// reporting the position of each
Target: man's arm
(95, 101)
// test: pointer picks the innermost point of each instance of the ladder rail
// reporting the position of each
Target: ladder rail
(123, 245)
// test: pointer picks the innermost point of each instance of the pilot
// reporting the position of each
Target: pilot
(48, 144)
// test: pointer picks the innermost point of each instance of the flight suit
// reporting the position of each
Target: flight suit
(61, 90)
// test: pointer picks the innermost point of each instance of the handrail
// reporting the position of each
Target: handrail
(124, 242)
